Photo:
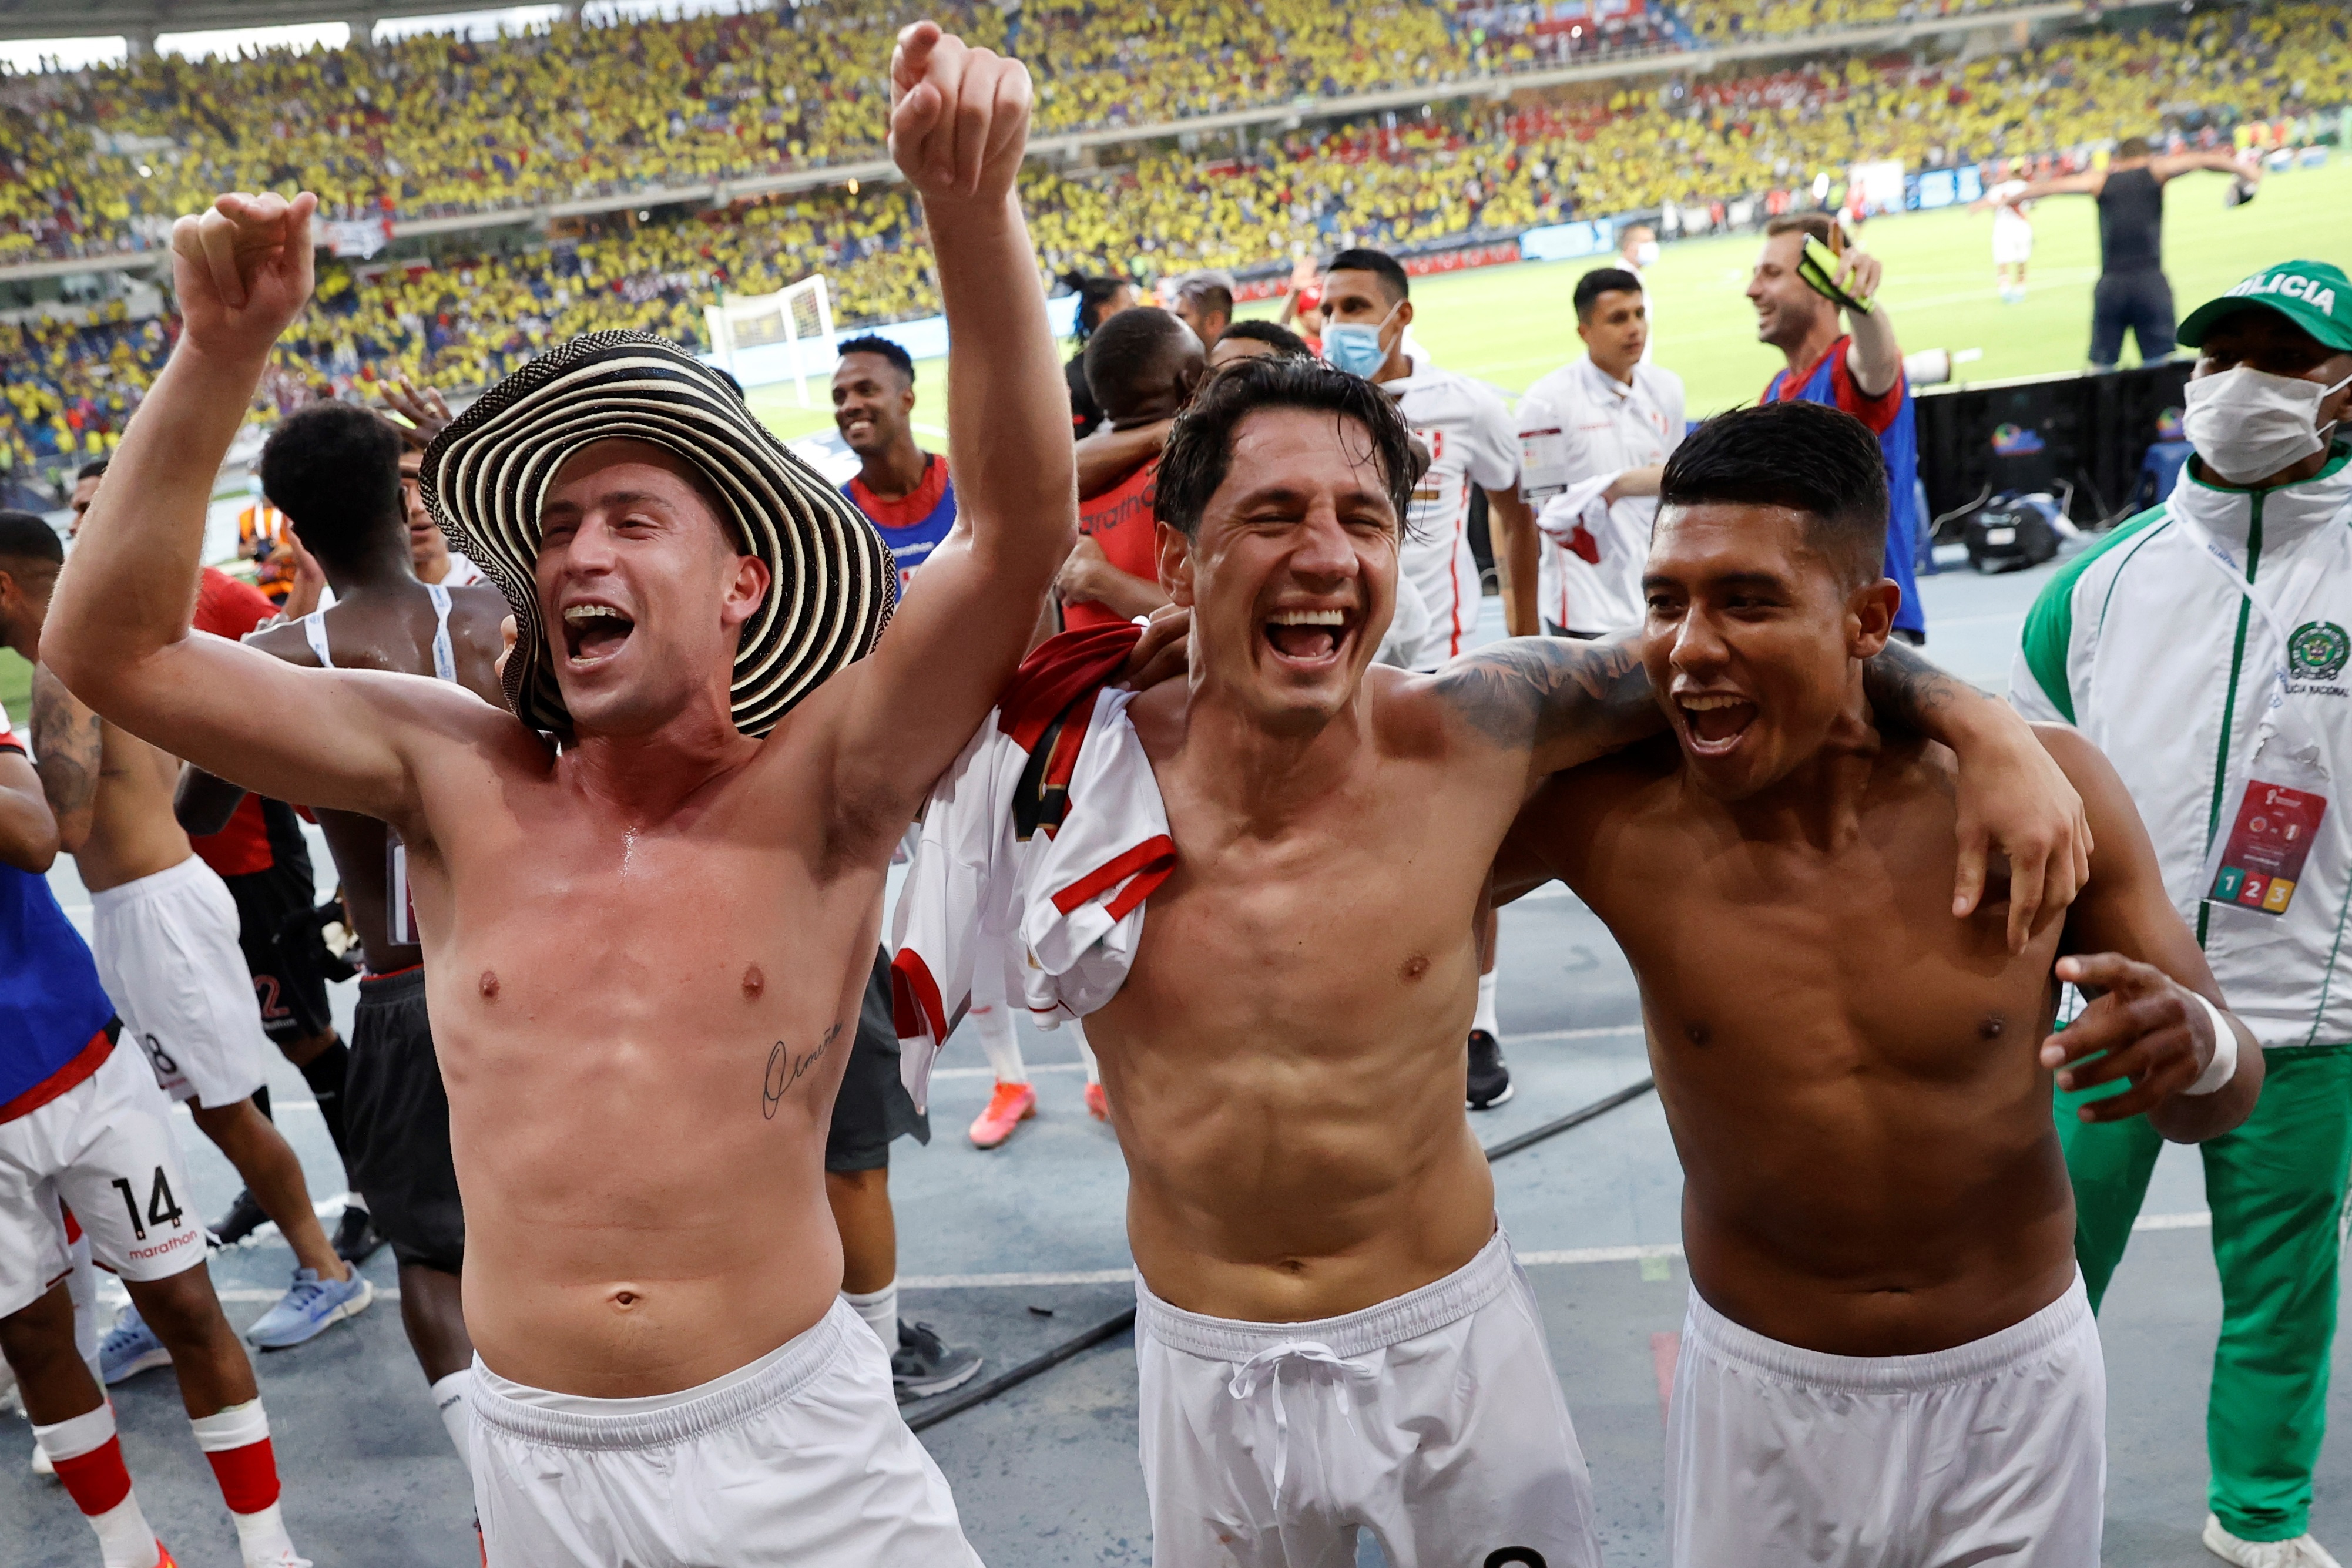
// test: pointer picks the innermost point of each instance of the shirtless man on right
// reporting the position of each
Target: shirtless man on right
(648, 906)
(1331, 1332)
(1889, 1356)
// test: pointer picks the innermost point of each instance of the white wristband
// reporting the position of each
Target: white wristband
(2224, 1065)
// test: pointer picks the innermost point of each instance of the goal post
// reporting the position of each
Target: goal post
(798, 320)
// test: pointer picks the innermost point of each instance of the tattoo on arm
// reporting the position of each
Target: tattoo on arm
(69, 741)
(1561, 700)
(785, 1068)
(1909, 691)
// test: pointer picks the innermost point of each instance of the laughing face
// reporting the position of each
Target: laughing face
(873, 403)
(1291, 577)
(1787, 308)
(641, 587)
(1755, 640)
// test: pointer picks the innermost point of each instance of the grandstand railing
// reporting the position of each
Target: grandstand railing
(1067, 145)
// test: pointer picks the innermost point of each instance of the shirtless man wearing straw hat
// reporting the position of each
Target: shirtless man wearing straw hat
(651, 932)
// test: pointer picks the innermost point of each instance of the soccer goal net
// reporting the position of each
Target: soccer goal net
(793, 326)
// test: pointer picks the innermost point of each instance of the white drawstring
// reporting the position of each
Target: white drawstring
(1266, 1368)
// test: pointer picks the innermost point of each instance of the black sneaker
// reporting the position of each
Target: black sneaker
(243, 1218)
(356, 1238)
(926, 1366)
(1490, 1080)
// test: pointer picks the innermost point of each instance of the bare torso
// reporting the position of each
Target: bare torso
(133, 832)
(1286, 1063)
(1849, 1073)
(641, 1018)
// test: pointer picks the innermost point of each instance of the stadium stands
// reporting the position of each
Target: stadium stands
(1422, 182)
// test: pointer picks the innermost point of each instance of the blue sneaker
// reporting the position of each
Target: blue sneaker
(309, 1308)
(130, 1348)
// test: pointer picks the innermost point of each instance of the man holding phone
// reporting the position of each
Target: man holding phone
(1804, 278)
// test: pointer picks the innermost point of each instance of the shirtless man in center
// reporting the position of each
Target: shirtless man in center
(1889, 1356)
(1331, 1331)
(643, 945)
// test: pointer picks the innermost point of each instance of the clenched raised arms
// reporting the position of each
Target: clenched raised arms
(118, 633)
(958, 132)
(1565, 701)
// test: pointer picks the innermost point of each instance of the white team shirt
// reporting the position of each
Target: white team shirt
(1466, 426)
(463, 573)
(1578, 429)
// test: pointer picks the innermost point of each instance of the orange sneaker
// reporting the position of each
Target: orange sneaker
(1096, 1106)
(163, 1558)
(1011, 1104)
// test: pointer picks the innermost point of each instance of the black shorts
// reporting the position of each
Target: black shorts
(288, 984)
(2141, 301)
(873, 1108)
(396, 1123)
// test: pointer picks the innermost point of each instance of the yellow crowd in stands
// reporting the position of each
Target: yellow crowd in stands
(1727, 21)
(1563, 155)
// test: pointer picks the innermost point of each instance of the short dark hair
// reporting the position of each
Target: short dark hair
(1817, 225)
(1094, 293)
(2133, 147)
(26, 536)
(1364, 259)
(335, 470)
(94, 469)
(1807, 456)
(1133, 355)
(1212, 291)
(881, 348)
(1602, 280)
(1200, 448)
(1286, 343)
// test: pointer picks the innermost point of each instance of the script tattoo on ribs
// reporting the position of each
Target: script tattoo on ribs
(785, 1068)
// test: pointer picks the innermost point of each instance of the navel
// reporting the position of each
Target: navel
(625, 1300)
(754, 982)
(489, 985)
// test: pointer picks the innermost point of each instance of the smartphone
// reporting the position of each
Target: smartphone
(1818, 266)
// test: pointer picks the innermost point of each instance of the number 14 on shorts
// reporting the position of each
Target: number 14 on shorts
(162, 1208)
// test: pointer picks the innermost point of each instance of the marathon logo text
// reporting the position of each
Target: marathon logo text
(2294, 286)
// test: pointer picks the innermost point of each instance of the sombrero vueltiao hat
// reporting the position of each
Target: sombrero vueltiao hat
(833, 582)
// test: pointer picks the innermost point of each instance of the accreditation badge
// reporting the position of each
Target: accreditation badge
(2257, 858)
(1544, 463)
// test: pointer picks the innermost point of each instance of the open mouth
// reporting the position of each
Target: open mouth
(1307, 637)
(857, 429)
(1714, 721)
(593, 633)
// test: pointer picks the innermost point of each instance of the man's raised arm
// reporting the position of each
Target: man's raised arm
(958, 131)
(1567, 702)
(118, 634)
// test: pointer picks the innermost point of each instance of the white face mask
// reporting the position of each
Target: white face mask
(1645, 253)
(2247, 425)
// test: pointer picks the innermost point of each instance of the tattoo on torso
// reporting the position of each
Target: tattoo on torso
(785, 1068)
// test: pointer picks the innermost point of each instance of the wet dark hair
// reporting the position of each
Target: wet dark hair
(1602, 280)
(1363, 259)
(92, 470)
(335, 470)
(1807, 456)
(881, 348)
(1133, 355)
(28, 536)
(1286, 343)
(1201, 447)
(1093, 293)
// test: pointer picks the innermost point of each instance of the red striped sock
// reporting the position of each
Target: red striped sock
(98, 1481)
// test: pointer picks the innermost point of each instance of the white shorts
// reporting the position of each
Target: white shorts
(799, 1457)
(167, 954)
(105, 1146)
(1991, 1452)
(2013, 243)
(1433, 1420)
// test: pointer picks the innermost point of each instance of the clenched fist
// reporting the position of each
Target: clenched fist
(242, 270)
(959, 117)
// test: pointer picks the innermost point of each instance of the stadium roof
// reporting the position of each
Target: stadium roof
(145, 19)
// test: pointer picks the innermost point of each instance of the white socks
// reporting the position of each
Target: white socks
(999, 1041)
(880, 1310)
(1077, 1031)
(261, 1538)
(124, 1537)
(449, 1397)
(125, 1540)
(1484, 1017)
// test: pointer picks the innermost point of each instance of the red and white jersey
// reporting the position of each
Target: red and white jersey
(1037, 851)
(1578, 429)
(1466, 426)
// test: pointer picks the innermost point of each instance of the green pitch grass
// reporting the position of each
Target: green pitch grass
(1510, 325)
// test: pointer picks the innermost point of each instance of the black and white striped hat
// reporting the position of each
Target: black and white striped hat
(485, 477)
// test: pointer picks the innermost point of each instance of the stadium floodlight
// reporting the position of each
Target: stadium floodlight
(799, 319)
